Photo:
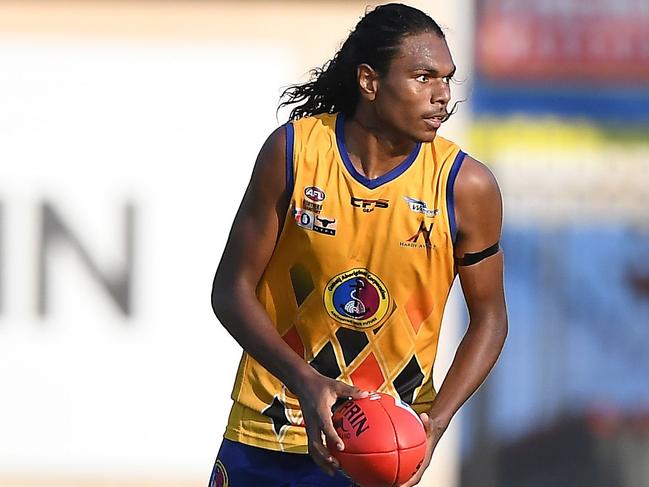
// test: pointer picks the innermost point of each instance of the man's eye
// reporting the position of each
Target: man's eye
(447, 79)
(422, 78)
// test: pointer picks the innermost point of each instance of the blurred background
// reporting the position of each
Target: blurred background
(128, 131)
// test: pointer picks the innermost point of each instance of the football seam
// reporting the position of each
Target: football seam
(396, 443)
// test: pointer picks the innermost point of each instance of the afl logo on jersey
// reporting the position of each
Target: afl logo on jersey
(314, 193)
(358, 299)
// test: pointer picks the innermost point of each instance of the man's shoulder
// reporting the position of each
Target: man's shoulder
(316, 131)
(322, 121)
(475, 180)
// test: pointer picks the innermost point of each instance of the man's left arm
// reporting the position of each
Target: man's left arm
(478, 211)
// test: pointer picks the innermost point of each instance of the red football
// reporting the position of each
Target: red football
(384, 438)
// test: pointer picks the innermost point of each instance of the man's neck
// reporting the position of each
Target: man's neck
(373, 149)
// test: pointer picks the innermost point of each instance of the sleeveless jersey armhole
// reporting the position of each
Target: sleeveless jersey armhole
(290, 137)
(450, 198)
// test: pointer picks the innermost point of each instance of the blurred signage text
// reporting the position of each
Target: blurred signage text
(55, 233)
(591, 41)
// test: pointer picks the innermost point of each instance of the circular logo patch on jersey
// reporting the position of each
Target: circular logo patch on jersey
(357, 298)
(220, 476)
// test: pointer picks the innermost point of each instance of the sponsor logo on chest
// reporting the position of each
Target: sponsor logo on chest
(309, 216)
(421, 239)
(312, 221)
(419, 206)
(314, 193)
(368, 205)
(310, 206)
(357, 299)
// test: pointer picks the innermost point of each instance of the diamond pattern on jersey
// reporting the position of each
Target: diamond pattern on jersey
(408, 380)
(368, 375)
(294, 341)
(325, 362)
(302, 283)
(418, 308)
(277, 414)
(351, 342)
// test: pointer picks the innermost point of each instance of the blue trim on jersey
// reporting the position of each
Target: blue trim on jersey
(290, 136)
(450, 199)
(365, 181)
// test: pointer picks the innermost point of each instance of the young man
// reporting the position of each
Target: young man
(354, 225)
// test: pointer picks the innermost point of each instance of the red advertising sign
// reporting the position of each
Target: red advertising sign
(601, 41)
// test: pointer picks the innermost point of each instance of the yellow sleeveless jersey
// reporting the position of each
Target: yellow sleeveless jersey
(358, 281)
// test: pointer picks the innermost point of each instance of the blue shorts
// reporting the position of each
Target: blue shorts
(239, 465)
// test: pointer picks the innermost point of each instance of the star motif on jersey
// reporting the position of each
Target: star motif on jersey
(277, 414)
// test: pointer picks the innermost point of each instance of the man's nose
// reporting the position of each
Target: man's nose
(442, 93)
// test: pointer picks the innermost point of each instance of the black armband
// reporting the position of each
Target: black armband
(475, 257)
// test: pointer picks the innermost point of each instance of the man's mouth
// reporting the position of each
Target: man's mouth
(441, 115)
(435, 121)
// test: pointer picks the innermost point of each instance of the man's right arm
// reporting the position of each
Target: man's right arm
(250, 245)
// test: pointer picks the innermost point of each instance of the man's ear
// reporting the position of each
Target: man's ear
(368, 81)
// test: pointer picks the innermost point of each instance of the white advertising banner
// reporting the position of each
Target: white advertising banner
(122, 166)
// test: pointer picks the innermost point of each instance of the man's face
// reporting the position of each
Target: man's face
(412, 97)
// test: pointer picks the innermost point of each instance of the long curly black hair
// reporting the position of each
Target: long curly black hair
(374, 41)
